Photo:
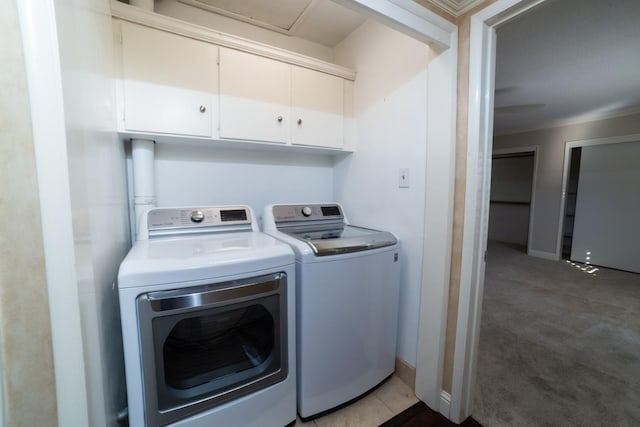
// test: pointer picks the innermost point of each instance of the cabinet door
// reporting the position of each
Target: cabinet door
(170, 82)
(254, 97)
(317, 108)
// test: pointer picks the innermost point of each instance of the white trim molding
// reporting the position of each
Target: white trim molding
(405, 372)
(42, 64)
(438, 227)
(573, 121)
(3, 381)
(476, 208)
(445, 403)
(407, 17)
(543, 254)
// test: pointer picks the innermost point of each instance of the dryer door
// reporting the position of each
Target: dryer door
(206, 345)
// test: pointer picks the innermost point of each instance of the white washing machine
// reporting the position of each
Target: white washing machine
(347, 285)
(208, 321)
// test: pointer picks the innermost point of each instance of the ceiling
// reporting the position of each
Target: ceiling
(562, 61)
(319, 21)
(567, 61)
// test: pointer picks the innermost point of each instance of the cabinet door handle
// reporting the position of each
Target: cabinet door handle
(299, 121)
(203, 108)
(280, 119)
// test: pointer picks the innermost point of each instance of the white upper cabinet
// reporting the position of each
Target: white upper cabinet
(317, 108)
(266, 100)
(169, 82)
(255, 97)
(184, 83)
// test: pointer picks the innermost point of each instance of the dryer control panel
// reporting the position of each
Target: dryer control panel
(195, 218)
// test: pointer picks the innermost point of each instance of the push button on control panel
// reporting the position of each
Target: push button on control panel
(306, 211)
(197, 216)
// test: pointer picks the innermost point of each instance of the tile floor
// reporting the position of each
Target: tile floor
(391, 398)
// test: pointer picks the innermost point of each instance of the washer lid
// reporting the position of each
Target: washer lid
(197, 257)
(340, 239)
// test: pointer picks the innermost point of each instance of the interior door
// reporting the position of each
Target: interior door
(606, 231)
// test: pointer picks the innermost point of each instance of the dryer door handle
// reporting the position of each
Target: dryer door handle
(198, 297)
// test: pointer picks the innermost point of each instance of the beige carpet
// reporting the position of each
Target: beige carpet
(558, 346)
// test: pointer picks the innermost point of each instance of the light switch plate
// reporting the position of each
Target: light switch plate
(403, 177)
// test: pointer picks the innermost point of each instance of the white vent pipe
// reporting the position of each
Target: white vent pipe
(144, 194)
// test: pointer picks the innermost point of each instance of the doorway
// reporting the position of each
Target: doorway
(571, 196)
(479, 144)
(513, 177)
(599, 208)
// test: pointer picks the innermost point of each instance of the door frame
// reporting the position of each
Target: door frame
(521, 150)
(570, 145)
(482, 56)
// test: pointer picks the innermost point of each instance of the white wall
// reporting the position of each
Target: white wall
(221, 23)
(195, 175)
(98, 196)
(606, 231)
(551, 142)
(390, 103)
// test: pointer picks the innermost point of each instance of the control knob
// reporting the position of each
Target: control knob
(197, 216)
(306, 211)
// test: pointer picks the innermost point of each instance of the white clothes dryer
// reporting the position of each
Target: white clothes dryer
(347, 287)
(208, 321)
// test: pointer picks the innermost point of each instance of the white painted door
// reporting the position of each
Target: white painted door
(170, 82)
(606, 231)
(317, 108)
(255, 97)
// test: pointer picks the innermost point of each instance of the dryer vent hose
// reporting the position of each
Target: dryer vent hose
(144, 194)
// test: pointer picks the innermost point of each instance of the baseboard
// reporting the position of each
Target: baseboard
(542, 254)
(445, 403)
(406, 373)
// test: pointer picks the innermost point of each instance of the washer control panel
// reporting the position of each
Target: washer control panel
(311, 212)
(176, 218)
